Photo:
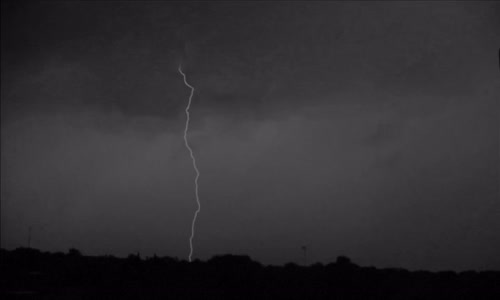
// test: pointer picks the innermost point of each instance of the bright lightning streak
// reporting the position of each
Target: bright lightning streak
(194, 164)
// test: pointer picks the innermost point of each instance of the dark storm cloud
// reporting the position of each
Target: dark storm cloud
(239, 52)
(236, 53)
(364, 129)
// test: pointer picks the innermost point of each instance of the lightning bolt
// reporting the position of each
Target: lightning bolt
(193, 223)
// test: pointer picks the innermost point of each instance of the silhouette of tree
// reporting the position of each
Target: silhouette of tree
(74, 252)
(343, 261)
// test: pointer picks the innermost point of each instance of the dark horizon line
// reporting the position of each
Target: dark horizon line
(341, 260)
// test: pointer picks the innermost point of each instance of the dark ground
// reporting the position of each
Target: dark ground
(31, 274)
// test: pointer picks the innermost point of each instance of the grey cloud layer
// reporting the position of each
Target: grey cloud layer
(315, 176)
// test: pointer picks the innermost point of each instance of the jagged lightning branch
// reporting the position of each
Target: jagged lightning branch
(194, 164)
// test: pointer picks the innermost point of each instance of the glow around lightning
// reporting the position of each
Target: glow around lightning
(193, 223)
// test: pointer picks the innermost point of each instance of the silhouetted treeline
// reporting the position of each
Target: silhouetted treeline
(32, 274)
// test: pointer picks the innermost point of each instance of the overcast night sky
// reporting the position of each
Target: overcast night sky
(361, 129)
